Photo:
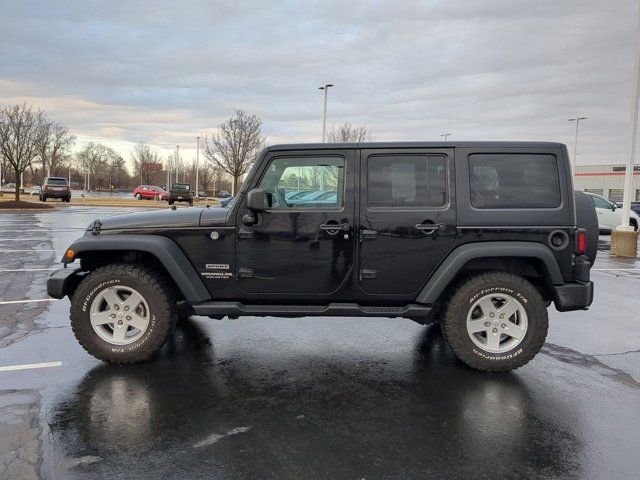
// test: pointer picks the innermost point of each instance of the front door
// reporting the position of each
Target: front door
(303, 243)
(407, 217)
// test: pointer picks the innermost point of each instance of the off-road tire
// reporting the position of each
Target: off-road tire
(454, 323)
(162, 309)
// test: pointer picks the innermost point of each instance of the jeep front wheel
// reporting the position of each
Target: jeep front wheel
(496, 322)
(122, 313)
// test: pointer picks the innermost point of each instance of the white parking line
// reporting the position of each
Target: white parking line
(29, 366)
(29, 250)
(615, 269)
(21, 239)
(11, 302)
(15, 270)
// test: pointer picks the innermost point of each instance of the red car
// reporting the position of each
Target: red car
(150, 192)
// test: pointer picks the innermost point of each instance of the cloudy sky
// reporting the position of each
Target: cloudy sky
(163, 72)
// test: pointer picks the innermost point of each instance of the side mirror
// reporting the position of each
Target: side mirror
(613, 207)
(256, 200)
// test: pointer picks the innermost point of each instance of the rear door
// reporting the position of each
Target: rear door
(407, 217)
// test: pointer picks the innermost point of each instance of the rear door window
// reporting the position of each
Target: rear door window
(513, 180)
(407, 181)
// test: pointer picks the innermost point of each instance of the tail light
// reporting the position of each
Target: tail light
(581, 241)
(46, 187)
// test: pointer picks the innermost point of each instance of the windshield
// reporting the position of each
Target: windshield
(181, 186)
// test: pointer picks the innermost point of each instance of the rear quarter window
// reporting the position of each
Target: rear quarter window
(513, 180)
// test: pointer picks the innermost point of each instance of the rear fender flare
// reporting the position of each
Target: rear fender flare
(459, 257)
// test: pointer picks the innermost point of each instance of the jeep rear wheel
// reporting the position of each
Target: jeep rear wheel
(496, 322)
(122, 313)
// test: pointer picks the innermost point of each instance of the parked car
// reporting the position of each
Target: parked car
(180, 192)
(55, 187)
(609, 215)
(150, 192)
(224, 194)
(202, 194)
(635, 206)
(437, 233)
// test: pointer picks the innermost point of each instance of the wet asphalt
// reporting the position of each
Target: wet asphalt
(329, 398)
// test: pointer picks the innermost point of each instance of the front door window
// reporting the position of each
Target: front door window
(307, 182)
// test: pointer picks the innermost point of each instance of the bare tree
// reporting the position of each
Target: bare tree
(21, 132)
(347, 133)
(235, 145)
(95, 159)
(53, 150)
(146, 162)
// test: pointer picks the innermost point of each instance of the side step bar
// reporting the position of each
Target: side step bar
(237, 309)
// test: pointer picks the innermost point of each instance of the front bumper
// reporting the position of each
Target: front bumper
(573, 296)
(63, 282)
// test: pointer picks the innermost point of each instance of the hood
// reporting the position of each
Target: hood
(180, 217)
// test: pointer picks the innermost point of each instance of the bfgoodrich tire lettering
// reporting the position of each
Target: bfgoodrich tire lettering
(162, 313)
(490, 285)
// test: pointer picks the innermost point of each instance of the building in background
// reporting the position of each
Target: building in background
(606, 180)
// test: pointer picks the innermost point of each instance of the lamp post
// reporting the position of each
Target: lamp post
(325, 87)
(177, 163)
(197, 162)
(445, 135)
(575, 142)
(624, 241)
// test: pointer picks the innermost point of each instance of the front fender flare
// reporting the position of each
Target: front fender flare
(164, 249)
(450, 267)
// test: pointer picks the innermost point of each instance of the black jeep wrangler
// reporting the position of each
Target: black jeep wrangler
(479, 237)
(180, 192)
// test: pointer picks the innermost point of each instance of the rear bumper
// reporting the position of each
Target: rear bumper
(63, 282)
(573, 296)
(57, 194)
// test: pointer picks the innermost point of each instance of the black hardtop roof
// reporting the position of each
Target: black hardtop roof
(413, 144)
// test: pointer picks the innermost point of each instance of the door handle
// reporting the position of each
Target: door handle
(334, 228)
(430, 228)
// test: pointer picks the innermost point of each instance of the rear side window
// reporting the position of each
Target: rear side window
(407, 181)
(57, 181)
(514, 180)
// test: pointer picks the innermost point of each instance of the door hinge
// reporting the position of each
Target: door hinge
(245, 273)
(367, 274)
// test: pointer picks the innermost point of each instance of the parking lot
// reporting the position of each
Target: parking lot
(326, 398)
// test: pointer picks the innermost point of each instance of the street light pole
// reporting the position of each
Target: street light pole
(177, 163)
(445, 135)
(197, 162)
(325, 87)
(575, 142)
(628, 174)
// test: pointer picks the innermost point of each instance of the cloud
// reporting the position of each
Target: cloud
(163, 72)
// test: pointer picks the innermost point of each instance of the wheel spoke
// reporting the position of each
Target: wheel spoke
(487, 307)
(119, 332)
(132, 301)
(138, 322)
(513, 330)
(101, 318)
(508, 309)
(475, 326)
(493, 340)
(110, 295)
